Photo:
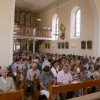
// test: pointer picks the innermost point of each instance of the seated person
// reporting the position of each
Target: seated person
(30, 73)
(90, 73)
(6, 83)
(54, 68)
(46, 77)
(91, 76)
(97, 72)
(46, 62)
(83, 73)
(76, 78)
(64, 77)
(74, 73)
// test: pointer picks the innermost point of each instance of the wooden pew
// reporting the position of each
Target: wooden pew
(17, 95)
(17, 82)
(35, 88)
(24, 86)
(24, 83)
(55, 89)
(92, 96)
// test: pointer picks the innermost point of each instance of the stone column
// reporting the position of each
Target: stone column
(27, 44)
(34, 45)
(7, 8)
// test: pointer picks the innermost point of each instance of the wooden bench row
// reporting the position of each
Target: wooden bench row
(24, 86)
(55, 89)
(92, 96)
(17, 95)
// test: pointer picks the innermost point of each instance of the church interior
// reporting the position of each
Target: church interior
(51, 49)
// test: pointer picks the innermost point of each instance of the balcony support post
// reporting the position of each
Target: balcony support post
(34, 45)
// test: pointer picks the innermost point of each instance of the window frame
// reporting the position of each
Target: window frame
(76, 22)
(73, 22)
(55, 25)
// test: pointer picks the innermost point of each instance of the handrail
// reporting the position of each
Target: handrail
(33, 32)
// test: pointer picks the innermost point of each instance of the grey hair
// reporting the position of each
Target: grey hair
(3, 68)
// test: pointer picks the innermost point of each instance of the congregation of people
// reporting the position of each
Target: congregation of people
(59, 69)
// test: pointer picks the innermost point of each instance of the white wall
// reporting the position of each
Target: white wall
(6, 31)
(87, 27)
(97, 7)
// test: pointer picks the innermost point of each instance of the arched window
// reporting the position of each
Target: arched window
(55, 26)
(75, 23)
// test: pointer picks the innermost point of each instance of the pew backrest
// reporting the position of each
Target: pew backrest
(17, 95)
(35, 87)
(55, 89)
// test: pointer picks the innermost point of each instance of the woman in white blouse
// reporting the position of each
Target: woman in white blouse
(6, 83)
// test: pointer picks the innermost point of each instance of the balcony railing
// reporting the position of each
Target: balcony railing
(43, 33)
(32, 32)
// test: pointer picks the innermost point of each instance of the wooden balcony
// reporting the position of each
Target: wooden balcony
(43, 33)
(32, 32)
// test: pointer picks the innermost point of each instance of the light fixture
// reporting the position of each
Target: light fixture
(38, 19)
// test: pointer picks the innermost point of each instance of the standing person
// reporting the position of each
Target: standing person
(6, 83)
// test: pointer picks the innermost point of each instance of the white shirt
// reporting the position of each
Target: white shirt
(31, 73)
(53, 70)
(89, 74)
(63, 77)
(97, 74)
(46, 62)
(4, 80)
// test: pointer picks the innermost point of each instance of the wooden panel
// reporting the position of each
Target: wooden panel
(83, 44)
(18, 95)
(73, 86)
(65, 88)
(93, 96)
(28, 19)
(22, 18)
(89, 44)
(17, 16)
